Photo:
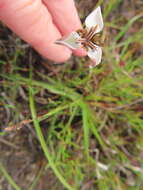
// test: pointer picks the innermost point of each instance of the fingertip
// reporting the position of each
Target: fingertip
(65, 57)
(80, 52)
(64, 14)
(57, 53)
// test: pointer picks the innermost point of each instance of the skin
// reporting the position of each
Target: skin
(41, 23)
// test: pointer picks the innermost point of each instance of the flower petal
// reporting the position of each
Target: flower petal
(95, 18)
(70, 41)
(95, 55)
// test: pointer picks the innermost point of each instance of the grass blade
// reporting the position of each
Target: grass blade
(86, 127)
(43, 143)
(9, 178)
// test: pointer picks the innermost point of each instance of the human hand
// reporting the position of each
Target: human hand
(41, 23)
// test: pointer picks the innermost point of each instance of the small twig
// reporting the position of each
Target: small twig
(18, 126)
(28, 121)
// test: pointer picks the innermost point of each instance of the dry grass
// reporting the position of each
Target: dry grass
(66, 127)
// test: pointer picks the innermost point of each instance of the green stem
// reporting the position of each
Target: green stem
(8, 177)
(43, 143)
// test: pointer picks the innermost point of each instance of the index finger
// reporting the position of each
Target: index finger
(65, 17)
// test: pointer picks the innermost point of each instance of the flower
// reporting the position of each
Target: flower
(88, 38)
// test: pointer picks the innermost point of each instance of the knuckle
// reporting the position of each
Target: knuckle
(27, 4)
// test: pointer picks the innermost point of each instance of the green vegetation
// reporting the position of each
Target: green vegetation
(89, 123)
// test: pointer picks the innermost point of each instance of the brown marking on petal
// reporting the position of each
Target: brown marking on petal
(90, 39)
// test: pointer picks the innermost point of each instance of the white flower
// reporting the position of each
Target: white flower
(70, 41)
(73, 40)
(95, 18)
